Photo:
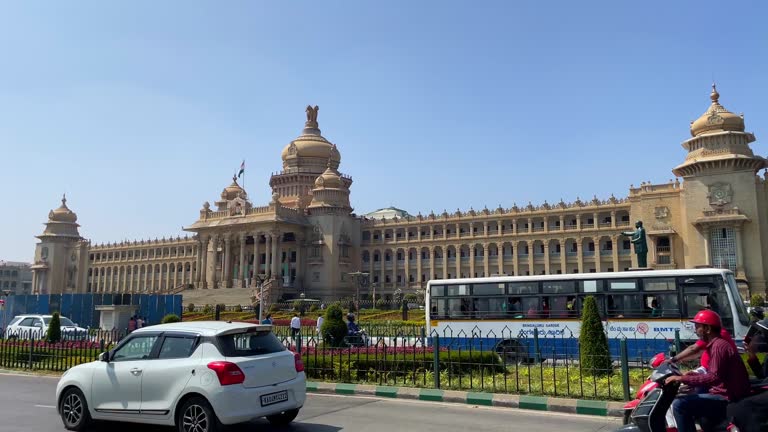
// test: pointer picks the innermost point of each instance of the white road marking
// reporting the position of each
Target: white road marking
(44, 406)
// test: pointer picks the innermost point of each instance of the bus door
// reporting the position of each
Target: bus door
(699, 296)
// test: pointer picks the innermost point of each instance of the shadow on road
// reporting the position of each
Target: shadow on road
(254, 426)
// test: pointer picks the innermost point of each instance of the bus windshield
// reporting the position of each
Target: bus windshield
(741, 310)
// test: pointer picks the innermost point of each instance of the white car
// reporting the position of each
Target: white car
(194, 375)
(36, 327)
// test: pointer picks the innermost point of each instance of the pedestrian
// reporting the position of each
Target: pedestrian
(295, 326)
(140, 322)
(132, 324)
(267, 320)
(319, 326)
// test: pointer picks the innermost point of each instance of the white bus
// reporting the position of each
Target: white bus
(646, 307)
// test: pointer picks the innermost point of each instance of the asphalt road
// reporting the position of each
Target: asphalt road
(26, 404)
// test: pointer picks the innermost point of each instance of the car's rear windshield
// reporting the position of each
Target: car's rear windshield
(250, 344)
(62, 320)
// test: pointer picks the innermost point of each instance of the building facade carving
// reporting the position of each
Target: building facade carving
(307, 239)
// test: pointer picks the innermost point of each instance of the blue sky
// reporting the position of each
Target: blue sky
(140, 111)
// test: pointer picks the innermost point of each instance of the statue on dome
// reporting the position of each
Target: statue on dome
(637, 237)
(312, 113)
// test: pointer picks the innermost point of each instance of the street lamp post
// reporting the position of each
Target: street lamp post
(362, 281)
(260, 283)
(4, 306)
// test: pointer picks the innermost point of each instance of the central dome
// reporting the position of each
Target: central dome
(310, 149)
(63, 213)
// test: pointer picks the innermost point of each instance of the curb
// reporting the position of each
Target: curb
(536, 403)
(505, 400)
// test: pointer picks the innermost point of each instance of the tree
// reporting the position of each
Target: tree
(54, 329)
(381, 304)
(171, 318)
(333, 329)
(207, 310)
(191, 307)
(593, 344)
(756, 301)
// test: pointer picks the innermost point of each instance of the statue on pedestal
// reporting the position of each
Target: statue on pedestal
(637, 237)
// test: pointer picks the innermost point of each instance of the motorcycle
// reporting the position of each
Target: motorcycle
(652, 413)
(359, 339)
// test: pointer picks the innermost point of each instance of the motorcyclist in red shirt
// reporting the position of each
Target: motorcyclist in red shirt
(726, 379)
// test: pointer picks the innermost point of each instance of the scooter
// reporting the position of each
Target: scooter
(652, 412)
(647, 386)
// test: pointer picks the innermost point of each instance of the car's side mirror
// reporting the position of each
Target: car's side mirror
(104, 357)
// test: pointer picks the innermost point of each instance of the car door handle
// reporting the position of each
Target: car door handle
(136, 371)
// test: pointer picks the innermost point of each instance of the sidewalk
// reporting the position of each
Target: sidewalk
(538, 403)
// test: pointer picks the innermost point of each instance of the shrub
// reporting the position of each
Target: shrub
(314, 308)
(756, 301)
(274, 308)
(238, 308)
(170, 318)
(593, 345)
(207, 310)
(191, 307)
(381, 304)
(54, 329)
(411, 298)
(334, 329)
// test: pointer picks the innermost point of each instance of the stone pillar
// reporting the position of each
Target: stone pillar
(243, 275)
(486, 257)
(472, 260)
(203, 269)
(578, 227)
(580, 252)
(562, 228)
(546, 257)
(418, 266)
(613, 219)
(268, 256)
(383, 269)
(371, 270)
(226, 276)
(563, 253)
(485, 229)
(530, 227)
(394, 268)
(407, 266)
(652, 256)
(531, 255)
(275, 254)
(300, 259)
(458, 260)
(500, 259)
(256, 262)
(514, 227)
(598, 257)
(445, 262)
(198, 264)
(615, 241)
(431, 263)
(515, 260)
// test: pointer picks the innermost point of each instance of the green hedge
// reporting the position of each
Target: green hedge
(350, 364)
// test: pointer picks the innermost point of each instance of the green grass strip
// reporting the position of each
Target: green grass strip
(592, 407)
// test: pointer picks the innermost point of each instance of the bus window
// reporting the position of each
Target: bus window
(558, 287)
(490, 307)
(562, 306)
(625, 306)
(694, 302)
(662, 305)
(457, 290)
(622, 284)
(488, 289)
(455, 308)
(659, 284)
(524, 288)
(531, 307)
(437, 291)
(515, 307)
(438, 308)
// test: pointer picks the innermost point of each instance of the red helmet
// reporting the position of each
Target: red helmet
(707, 317)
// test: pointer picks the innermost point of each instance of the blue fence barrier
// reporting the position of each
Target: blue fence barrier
(80, 308)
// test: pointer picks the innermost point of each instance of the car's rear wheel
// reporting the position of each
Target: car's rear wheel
(74, 410)
(196, 415)
(284, 417)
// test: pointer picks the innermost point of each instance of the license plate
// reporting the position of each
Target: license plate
(273, 398)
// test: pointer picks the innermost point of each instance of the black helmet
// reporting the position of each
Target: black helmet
(351, 316)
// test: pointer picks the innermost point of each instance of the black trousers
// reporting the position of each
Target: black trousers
(749, 413)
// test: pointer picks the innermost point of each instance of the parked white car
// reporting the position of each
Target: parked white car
(194, 375)
(36, 327)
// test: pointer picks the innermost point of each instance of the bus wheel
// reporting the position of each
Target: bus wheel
(511, 351)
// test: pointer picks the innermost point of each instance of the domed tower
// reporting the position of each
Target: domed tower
(61, 256)
(234, 199)
(330, 194)
(304, 159)
(723, 198)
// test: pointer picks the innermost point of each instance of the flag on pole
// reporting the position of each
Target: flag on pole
(242, 169)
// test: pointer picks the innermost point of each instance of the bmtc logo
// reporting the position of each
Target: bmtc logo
(642, 328)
